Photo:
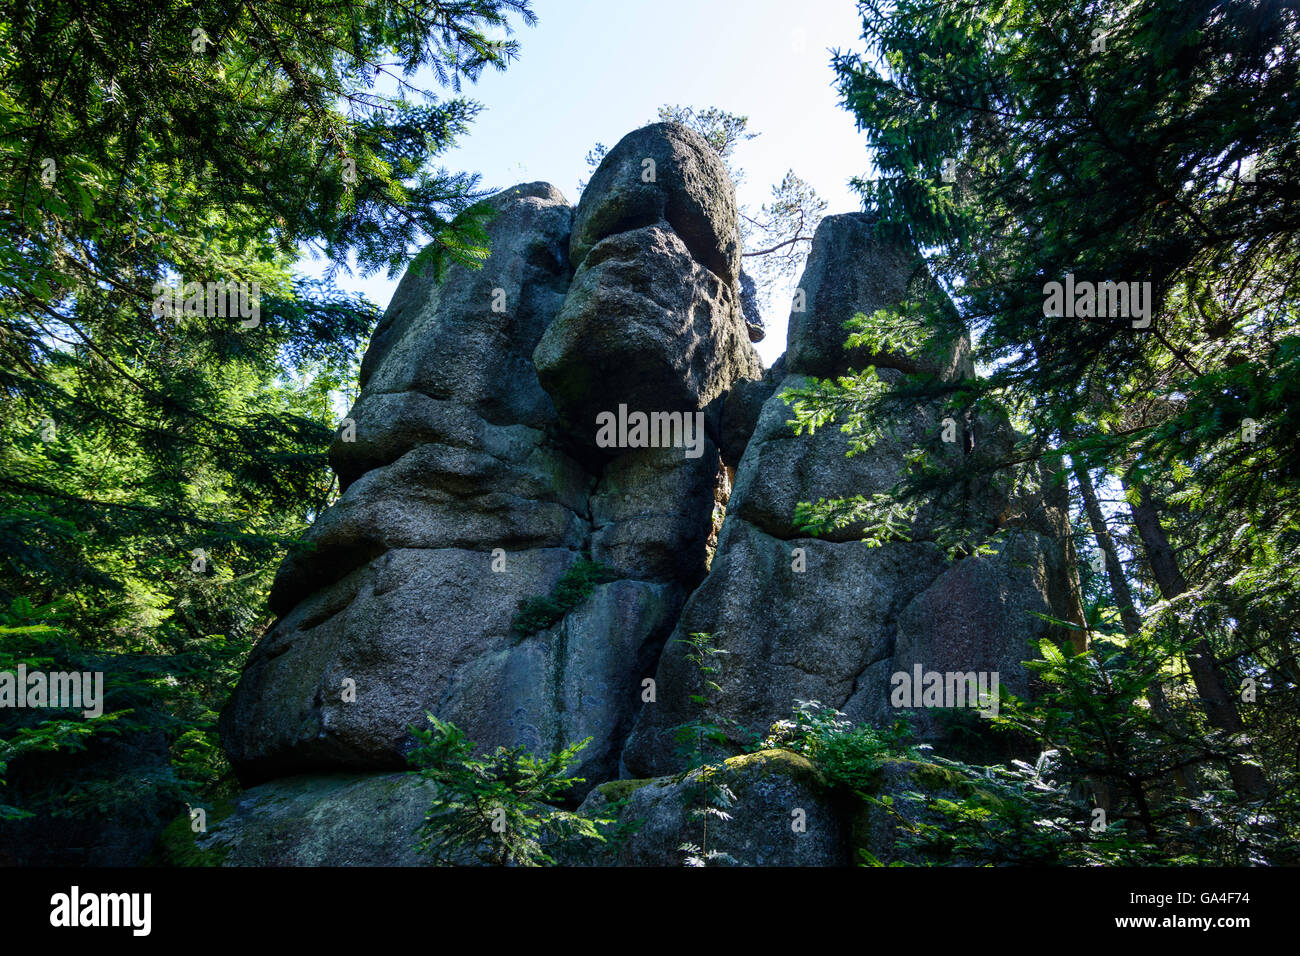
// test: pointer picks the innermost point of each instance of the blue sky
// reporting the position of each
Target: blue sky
(593, 70)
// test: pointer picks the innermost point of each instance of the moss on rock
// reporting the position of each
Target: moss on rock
(178, 843)
(787, 762)
(616, 790)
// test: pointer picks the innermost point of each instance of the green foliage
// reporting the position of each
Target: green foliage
(694, 736)
(34, 637)
(573, 588)
(149, 145)
(498, 808)
(698, 741)
(1102, 792)
(712, 798)
(849, 756)
(178, 843)
(989, 155)
(1014, 815)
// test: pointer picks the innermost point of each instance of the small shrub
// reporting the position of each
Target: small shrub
(574, 587)
(849, 756)
(499, 807)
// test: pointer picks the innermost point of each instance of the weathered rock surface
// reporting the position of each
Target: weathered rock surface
(782, 468)
(789, 634)
(651, 513)
(399, 628)
(472, 481)
(783, 815)
(801, 618)
(663, 173)
(981, 615)
(646, 325)
(741, 410)
(470, 338)
(511, 489)
(454, 460)
(851, 270)
(653, 318)
(311, 820)
(573, 681)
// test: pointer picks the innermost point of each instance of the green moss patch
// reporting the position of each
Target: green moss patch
(178, 843)
(573, 588)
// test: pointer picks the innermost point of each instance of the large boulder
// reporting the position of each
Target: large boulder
(470, 338)
(653, 318)
(799, 619)
(311, 820)
(343, 676)
(802, 618)
(509, 489)
(663, 173)
(445, 440)
(647, 325)
(783, 814)
(852, 269)
(465, 496)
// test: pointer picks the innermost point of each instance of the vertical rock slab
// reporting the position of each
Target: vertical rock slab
(851, 269)
(651, 513)
(983, 615)
(574, 681)
(827, 619)
(799, 619)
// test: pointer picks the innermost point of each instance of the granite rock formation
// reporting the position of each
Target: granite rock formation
(474, 477)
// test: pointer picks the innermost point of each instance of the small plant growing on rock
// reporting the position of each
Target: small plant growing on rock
(849, 756)
(498, 808)
(574, 587)
(715, 797)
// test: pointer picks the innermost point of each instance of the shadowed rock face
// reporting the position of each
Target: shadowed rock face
(320, 820)
(470, 339)
(768, 786)
(472, 481)
(851, 269)
(653, 318)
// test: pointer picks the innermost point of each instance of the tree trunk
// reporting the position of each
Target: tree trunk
(1114, 570)
(1220, 706)
(1123, 596)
